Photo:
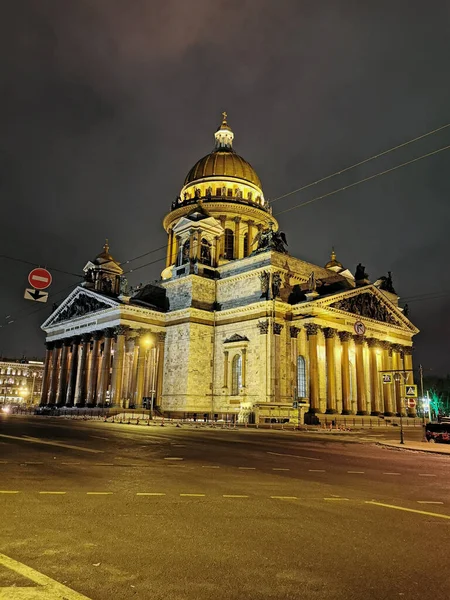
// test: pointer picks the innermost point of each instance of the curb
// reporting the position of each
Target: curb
(408, 448)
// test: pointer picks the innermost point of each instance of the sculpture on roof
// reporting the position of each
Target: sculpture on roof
(361, 272)
(386, 283)
(268, 239)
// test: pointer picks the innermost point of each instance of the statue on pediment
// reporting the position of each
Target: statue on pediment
(81, 306)
(360, 273)
(268, 239)
(366, 305)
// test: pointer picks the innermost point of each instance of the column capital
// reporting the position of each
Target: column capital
(161, 335)
(312, 329)
(58, 343)
(49, 345)
(397, 348)
(373, 343)
(408, 350)
(329, 332)
(277, 328)
(122, 329)
(67, 342)
(344, 336)
(97, 335)
(359, 340)
(263, 327)
(86, 338)
(237, 219)
(76, 340)
(250, 222)
(294, 331)
(386, 345)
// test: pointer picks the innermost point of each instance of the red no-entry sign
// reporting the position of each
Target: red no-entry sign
(40, 278)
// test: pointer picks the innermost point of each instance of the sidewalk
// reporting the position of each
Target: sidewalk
(419, 447)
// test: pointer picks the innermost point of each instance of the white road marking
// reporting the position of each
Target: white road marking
(356, 472)
(391, 473)
(234, 496)
(98, 493)
(99, 437)
(193, 495)
(279, 469)
(179, 445)
(47, 443)
(317, 470)
(173, 458)
(210, 467)
(32, 463)
(105, 465)
(413, 510)
(426, 475)
(293, 456)
(49, 588)
(284, 497)
(71, 463)
(428, 502)
(3, 462)
(247, 468)
(335, 498)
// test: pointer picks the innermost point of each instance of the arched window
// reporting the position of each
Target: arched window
(245, 244)
(236, 375)
(301, 377)
(229, 244)
(205, 252)
(185, 252)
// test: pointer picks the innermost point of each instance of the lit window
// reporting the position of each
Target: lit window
(301, 377)
(236, 375)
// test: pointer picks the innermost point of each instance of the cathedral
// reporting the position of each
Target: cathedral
(236, 328)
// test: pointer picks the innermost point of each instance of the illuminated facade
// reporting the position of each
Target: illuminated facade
(21, 381)
(236, 326)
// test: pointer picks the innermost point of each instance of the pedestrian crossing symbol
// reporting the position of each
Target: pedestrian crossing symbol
(387, 378)
(411, 391)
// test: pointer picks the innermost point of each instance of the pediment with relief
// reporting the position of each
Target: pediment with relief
(78, 304)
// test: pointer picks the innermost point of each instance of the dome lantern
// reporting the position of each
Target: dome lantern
(224, 136)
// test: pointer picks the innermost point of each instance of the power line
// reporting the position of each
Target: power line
(350, 185)
(362, 162)
(33, 264)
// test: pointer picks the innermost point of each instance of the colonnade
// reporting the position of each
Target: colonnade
(114, 366)
(382, 398)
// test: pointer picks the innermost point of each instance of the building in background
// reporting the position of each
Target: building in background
(21, 381)
(236, 326)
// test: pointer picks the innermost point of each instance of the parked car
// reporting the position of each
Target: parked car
(438, 432)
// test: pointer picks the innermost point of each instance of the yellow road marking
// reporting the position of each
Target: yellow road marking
(98, 493)
(284, 497)
(150, 494)
(9, 491)
(426, 475)
(293, 456)
(413, 510)
(47, 443)
(52, 589)
(193, 495)
(55, 493)
(247, 468)
(173, 458)
(234, 496)
(428, 502)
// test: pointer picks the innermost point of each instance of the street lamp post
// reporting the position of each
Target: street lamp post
(397, 378)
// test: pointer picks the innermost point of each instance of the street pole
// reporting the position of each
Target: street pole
(424, 437)
(397, 378)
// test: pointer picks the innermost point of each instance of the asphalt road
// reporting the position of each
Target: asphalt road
(125, 511)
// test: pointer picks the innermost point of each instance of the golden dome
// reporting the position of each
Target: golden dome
(219, 163)
(223, 160)
(333, 262)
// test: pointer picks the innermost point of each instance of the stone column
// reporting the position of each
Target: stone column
(345, 337)
(80, 388)
(223, 223)
(72, 377)
(191, 245)
(53, 380)
(387, 388)
(169, 249)
(237, 239)
(225, 368)
(216, 251)
(161, 336)
(93, 369)
(47, 370)
(360, 382)
(133, 367)
(250, 236)
(398, 385)
(105, 367)
(293, 331)
(375, 399)
(177, 252)
(118, 366)
(140, 374)
(63, 372)
(312, 330)
(330, 337)
(244, 367)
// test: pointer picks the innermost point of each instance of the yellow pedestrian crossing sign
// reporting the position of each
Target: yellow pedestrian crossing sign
(387, 377)
(411, 391)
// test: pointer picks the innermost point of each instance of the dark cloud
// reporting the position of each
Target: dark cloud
(106, 104)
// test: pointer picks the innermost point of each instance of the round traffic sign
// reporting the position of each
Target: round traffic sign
(360, 328)
(40, 278)
(411, 402)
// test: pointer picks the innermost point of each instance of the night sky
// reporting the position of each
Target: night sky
(105, 105)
